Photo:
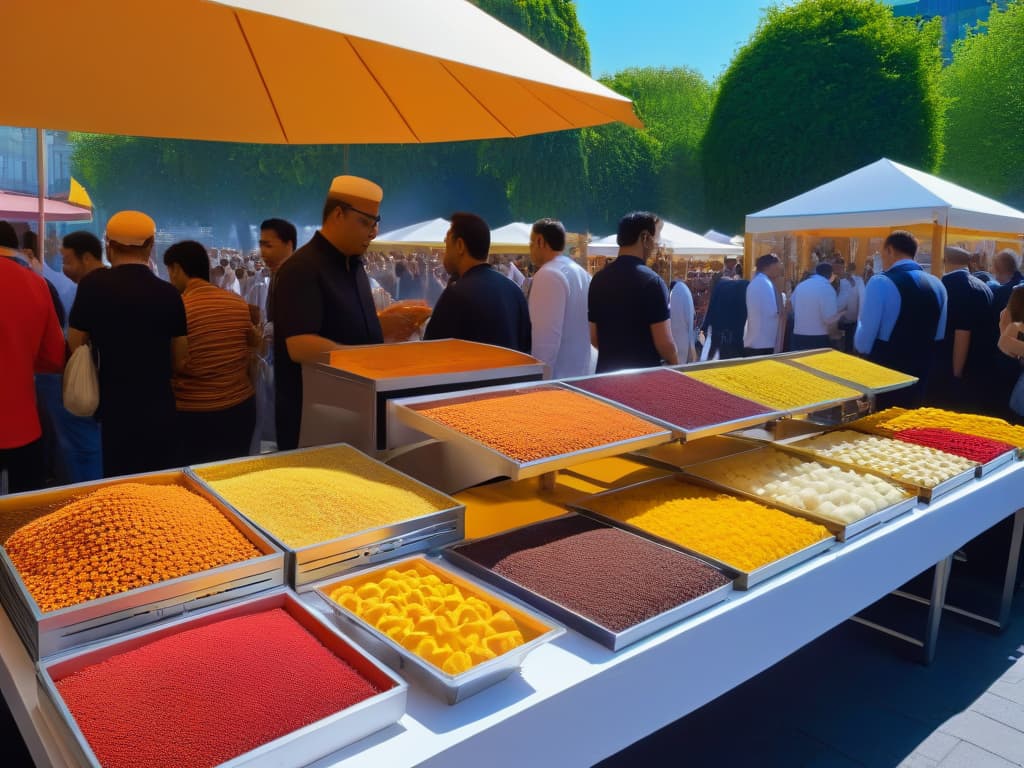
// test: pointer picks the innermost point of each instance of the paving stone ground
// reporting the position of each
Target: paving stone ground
(854, 697)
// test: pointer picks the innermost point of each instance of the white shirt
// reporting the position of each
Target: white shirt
(515, 275)
(814, 307)
(558, 315)
(762, 326)
(680, 304)
(849, 297)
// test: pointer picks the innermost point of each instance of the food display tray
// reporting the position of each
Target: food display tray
(451, 688)
(295, 749)
(744, 579)
(1003, 460)
(842, 531)
(676, 456)
(491, 462)
(794, 358)
(610, 639)
(50, 632)
(323, 560)
(678, 431)
(925, 493)
(846, 408)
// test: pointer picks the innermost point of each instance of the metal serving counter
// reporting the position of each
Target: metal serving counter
(577, 702)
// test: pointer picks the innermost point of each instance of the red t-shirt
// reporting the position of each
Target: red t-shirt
(31, 341)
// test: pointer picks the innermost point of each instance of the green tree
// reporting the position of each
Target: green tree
(675, 105)
(985, 121)
(822, 87)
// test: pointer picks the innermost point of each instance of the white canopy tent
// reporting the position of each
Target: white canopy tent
(674, 240)
(425, 234)
(511, 238)
(884, 196)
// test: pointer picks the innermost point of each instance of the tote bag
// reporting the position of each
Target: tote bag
(81, 384)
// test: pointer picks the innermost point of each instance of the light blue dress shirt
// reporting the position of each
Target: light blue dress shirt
(881, 307)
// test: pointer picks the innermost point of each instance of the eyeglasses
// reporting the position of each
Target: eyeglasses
(370, 216)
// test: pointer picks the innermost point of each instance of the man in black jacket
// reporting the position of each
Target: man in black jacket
(480, 304)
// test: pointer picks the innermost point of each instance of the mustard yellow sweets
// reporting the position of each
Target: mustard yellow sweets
(310, 497)
(777, 385)
(740, 533)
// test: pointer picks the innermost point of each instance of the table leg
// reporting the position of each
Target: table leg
(935, 608)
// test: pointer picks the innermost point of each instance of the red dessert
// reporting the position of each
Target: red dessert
(206, 695)
(973, 447)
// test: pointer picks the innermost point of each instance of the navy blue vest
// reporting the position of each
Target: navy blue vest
(911, 345)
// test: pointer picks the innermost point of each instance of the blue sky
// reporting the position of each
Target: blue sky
(702, 34)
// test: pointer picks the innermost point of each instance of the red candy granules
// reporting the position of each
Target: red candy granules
(979, 449)
(666, 395)
(206, 695)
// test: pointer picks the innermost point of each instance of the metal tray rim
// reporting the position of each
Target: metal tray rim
(586, 626)
(277, 597)
(745, 579)
(925, 493)
(512, 468)
(38, 615)
(693, 433)
(450, 681)
(844, 531)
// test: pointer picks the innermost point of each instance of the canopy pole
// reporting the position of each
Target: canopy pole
(41, 185)
(938, 247)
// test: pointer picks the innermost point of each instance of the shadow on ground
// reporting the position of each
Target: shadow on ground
(853, 697)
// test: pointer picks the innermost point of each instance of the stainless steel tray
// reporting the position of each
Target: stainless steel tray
(847, 407)
(744, 579)
(997, 463)
(794, 358)
(684, 433)
(614, 641)
(492, 462)
(676, 456)
(923, 492)
(47, 633)
(451, 688)
(842, 531)
(298, 748)
(323, 560)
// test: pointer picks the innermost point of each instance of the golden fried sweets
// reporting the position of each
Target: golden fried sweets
(431, 617)
(855, 369)
(539, 423)
(775, 384)
(740, 533)
(897, 419)
(313, 496)
(910, 463)
(840, 495)
(121, 537)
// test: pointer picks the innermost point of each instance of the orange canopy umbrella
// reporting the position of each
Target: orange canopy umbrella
(298, 72)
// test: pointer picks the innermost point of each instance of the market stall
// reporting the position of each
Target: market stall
(856, 212)
(493, 606)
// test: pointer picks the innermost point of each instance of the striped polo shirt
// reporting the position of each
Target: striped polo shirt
(217, 375)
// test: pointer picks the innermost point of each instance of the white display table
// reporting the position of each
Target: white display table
(577, 703)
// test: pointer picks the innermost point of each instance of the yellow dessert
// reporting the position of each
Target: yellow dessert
(855, 369)
(775, 384)
(432, 617)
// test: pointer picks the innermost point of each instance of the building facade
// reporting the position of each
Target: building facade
(18, 169)
(957, 16)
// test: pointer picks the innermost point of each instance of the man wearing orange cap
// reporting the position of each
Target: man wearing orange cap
(322, 297)
(136, 325)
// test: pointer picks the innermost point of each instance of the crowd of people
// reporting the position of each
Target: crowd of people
(951, 333)
(206, 364)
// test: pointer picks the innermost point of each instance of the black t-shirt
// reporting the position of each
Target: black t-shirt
(482, 306)
(131, 315)
(322, 292)
(626, 298)
(970, 309)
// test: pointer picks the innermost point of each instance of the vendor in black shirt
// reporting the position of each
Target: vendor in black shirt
(322, 296)
(135, 323)
(480, 304)
(628, 302)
